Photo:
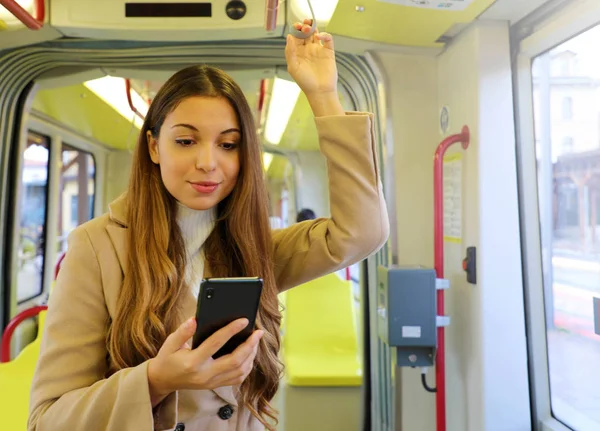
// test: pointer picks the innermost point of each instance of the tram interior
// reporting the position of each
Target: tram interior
(523, 76)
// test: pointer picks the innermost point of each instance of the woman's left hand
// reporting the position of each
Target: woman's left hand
(312, 63)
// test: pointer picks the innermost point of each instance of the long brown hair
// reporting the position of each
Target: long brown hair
(150, 301)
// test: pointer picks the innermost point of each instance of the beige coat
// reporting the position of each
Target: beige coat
(72, 389)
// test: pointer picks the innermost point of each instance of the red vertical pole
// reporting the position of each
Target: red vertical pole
(438, 240)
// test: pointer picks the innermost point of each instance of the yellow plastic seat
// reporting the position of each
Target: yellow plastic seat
(15, 383)
(320, 341)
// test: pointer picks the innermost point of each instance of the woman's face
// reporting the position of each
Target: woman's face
(198, 151)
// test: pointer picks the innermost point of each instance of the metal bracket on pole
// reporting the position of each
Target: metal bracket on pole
(442, 321)
(442, 284)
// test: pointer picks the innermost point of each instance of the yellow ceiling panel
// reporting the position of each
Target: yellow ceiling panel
(379, 21)
(301, 131)
(80, 109)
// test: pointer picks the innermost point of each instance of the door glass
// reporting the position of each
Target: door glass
(566, 84)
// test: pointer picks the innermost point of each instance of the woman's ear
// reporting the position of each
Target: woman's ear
(152, 147)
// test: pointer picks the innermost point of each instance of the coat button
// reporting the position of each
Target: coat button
(226, 412)
(180, 427)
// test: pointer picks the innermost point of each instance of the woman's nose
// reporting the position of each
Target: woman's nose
(205, 158)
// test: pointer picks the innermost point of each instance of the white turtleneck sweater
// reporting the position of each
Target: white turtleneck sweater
(196, 226)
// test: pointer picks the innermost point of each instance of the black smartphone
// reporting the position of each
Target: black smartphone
(220, 302)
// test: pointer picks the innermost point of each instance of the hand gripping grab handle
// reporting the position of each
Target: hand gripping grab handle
(299, 33)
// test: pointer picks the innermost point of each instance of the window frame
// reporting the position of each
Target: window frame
(94, 198)
(532, 37)
(58, 134)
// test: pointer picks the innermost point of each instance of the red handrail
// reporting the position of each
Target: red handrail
(271, 14)
(130, 100)
(12, 325)
(261, 95)
(26, 314)
(147, 89)
(438, 231)
(57, 266)
(33, 23)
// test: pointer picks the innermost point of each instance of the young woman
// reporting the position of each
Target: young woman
(116, 350)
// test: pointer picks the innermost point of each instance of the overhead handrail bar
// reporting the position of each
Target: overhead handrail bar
(31, 22)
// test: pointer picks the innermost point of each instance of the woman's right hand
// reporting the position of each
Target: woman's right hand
(177, 366)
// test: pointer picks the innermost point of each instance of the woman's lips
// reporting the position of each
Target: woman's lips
(205, 187)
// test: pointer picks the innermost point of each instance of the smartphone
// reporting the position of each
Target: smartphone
(220, 302)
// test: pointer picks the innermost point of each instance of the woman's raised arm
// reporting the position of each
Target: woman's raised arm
(359, 223)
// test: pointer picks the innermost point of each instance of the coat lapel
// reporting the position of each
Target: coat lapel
(118, 237)
(117, 232)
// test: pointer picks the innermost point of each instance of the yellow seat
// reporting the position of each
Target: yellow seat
(15, 383)
(320, 341)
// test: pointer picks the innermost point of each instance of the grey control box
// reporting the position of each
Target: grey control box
(406, 308)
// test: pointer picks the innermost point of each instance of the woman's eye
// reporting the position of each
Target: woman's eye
(229, 146)
(184, 142)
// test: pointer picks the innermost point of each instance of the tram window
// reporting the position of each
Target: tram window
(568, 160)
(78, 184)
(33, 199)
